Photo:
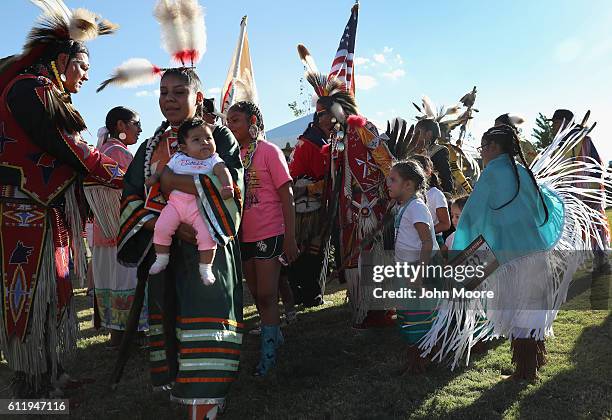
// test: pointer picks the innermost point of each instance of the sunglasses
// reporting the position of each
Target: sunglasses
(136, 123)
(481, 148)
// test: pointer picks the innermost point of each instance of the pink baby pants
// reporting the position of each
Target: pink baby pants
(182, 208)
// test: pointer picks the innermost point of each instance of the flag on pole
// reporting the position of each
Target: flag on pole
(342, 66)
(240, 82)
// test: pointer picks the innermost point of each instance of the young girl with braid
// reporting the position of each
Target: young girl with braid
(415, 243)
(268, 223)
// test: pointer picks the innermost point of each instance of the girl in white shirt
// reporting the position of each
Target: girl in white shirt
(435, 199)
(415, 242)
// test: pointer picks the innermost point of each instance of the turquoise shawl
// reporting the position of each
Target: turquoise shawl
(517, 229)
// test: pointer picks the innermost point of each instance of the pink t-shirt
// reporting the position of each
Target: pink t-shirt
(263, 212)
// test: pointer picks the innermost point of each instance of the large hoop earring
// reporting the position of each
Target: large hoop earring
(254, 131)
(122, 136)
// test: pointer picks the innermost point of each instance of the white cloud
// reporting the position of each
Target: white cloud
(599, 49)
(361, 61)
(394, 74)
(387, 50)
(156, 92)
(568, 50)
(399, 59)
(364, 82)
(379, 58)
(214, 91)
(141, 93)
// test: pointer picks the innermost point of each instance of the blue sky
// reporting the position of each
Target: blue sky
(524, 56)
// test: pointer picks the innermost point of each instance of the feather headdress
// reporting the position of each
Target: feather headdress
(56, 26)
(183, 29)
(331, 90)
(183, 36)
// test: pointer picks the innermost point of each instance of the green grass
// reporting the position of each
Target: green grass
(327, 370)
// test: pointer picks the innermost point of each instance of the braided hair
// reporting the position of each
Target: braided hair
(427, 165)
(249, 109)
(507, 138)
(411, 170)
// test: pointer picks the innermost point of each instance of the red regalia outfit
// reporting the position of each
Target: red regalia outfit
(361, 160)
(43, 165)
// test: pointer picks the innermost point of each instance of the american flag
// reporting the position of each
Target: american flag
(342, 66)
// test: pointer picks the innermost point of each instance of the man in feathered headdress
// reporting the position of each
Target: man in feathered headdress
(43, 164)
(432, 137)
(360, 161)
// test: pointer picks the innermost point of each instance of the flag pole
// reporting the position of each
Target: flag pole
(228, 89)
(243, 24)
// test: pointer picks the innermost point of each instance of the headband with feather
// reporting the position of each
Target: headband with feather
(183, 36)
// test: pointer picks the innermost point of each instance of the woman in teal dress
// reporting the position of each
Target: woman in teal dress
(534, 224)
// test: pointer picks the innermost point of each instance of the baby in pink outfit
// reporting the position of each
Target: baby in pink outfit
(197, 155)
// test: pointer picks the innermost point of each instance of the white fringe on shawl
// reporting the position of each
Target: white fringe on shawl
(539, 280)
(46, 337)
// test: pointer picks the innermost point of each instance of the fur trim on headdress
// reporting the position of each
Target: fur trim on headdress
(356, 121)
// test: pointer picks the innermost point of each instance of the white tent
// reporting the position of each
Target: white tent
(289, 132)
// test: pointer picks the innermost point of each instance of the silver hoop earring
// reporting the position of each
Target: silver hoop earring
(122, 136)
(253, 131)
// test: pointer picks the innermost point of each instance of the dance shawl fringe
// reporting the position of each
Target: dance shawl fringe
(105, 203)
(461, 323)
(76, 224)
(46, 333)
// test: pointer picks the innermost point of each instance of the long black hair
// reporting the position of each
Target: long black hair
(507, 138)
